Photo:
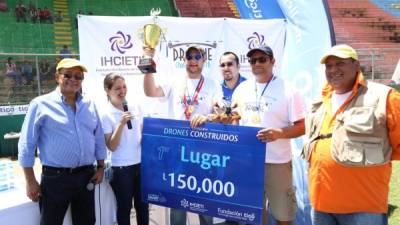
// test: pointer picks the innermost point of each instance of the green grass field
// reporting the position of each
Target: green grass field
(394, 196)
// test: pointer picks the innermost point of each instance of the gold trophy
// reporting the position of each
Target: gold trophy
(151, 38)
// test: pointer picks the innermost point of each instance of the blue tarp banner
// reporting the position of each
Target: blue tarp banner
(217, 170)
(258, 9)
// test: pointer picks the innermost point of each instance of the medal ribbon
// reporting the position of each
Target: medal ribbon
(194, 97)
(258, 100)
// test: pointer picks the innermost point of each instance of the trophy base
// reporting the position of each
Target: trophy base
(147, 65)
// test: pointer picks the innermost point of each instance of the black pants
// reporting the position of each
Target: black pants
(125, 183)
(60, 188)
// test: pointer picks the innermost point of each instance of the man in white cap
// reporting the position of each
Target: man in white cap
(271, 104)
(190, 97)
(65, 128)
(353, 134)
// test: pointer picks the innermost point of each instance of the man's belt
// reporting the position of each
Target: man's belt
(66, 170)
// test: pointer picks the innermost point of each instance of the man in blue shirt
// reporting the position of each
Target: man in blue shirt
(229, 64)
(65, 52)
(65, 128)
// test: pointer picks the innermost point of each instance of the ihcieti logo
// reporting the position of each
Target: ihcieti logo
(255, 40)
(120, 42)
(184, 203)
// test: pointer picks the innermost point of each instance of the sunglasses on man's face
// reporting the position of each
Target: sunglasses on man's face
(196, 57)
(77, 76)
(227, 64)
(261, 59)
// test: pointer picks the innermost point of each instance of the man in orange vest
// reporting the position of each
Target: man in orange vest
(352, 137)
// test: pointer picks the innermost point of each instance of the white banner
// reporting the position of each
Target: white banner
(8, 110)
(113, 44)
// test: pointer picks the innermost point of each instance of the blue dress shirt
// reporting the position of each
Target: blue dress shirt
(228, 92)
(64, 138)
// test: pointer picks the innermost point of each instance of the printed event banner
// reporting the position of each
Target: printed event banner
(216, 170)
(114, 44)
(7, 110)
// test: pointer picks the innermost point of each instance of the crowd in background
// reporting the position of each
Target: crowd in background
(35, 14)
(24, 72)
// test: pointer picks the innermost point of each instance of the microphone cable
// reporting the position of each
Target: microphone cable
(99, 204)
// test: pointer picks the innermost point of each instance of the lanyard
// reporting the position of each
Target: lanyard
(258, 100)
(189, 108)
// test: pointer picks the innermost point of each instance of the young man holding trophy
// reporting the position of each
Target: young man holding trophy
(189, 97)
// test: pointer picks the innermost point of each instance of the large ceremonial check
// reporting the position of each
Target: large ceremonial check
(217, 170)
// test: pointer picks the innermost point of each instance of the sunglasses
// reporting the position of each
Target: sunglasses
(227, 64)
(261, 59)
(196, 57)
(77, 76)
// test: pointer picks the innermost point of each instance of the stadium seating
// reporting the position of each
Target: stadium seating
(375, 32)
(207, 8)
(47, 38)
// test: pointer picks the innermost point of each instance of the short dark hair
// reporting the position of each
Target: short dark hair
(231, 53)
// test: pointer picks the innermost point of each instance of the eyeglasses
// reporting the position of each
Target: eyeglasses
(77, 76)
(196, 57)
(227, 64)
(261, 59)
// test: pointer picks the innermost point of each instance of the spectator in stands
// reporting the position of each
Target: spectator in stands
(26, 70)
(11, 71)
(65, 52)
(45, 15)
(20, 11)
(353, 135)
(3, 6)
(33, 13)
(59, 16)
(31, 5)
(44, 69)
(40, 14)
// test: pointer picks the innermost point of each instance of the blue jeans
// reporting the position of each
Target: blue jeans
(125, 183)
(178, 217)
(322, 218)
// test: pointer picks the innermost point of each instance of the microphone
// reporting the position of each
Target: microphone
(90, 185)
(125, 106)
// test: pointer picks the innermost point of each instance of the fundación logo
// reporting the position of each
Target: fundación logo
(120, 42)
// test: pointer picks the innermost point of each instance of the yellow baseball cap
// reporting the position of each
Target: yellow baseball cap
(69, 63)
(342, 51)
